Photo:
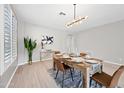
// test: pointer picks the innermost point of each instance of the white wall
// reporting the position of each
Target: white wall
(20, 42)
(36, 32)
(106, 42)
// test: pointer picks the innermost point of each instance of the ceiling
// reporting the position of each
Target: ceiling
(47, 15)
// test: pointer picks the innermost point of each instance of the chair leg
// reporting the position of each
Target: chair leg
(71, 75)
(56, 74)
(100, 85)
(90, 82)
(80, 73)
(54, 66)
(63, 80)
(73, 70)
(95, 84)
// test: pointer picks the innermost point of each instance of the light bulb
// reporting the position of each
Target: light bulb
(77, 23)
(86, 17)
(80, 22)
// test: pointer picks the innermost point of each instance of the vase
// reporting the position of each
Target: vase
(30, 62)
(30, 58)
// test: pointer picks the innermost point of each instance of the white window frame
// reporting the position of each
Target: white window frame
(13, 38)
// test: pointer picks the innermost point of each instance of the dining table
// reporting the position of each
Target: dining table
(85, 65)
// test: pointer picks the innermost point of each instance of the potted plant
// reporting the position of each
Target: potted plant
(30, 46)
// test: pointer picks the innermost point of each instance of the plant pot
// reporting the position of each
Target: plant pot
(30, 62)
(30, 58)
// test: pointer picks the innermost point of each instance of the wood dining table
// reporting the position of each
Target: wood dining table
(83, 66)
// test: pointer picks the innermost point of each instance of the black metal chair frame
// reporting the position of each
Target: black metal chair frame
(63, 76)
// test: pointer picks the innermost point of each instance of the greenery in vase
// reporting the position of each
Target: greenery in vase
(30, 45)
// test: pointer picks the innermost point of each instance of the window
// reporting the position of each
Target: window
(10, 37)
(14, 38)
(7, 34)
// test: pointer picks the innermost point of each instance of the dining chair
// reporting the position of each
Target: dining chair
(62, 67)
(83, 54)
(57, 52)
(54, 63)
(106, 80)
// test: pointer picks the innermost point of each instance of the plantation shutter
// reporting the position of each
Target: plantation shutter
(7, 34)
(14, 38)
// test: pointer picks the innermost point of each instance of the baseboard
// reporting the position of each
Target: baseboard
(34, 61)
(11, 77)
(112, 62)
(27, 62)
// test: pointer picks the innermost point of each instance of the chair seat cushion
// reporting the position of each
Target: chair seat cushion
(102, 78)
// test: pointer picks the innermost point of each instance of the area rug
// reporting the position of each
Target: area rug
(68, 83)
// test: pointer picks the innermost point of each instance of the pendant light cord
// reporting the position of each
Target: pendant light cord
(74, 11)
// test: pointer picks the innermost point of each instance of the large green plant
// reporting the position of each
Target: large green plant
(30, 46)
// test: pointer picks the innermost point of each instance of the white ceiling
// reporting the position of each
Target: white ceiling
(47, 15)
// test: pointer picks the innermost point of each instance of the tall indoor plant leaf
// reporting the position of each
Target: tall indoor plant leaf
(30, 46)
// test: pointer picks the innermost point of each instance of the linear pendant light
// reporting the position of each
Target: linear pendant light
(76, 20)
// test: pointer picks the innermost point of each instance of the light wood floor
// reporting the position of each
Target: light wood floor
(37, 75)
(33, 76)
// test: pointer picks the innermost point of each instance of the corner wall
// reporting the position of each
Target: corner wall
(36, 32)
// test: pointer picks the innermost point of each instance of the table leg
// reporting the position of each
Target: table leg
(86, 78)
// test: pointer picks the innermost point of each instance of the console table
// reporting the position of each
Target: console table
(46, 55)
